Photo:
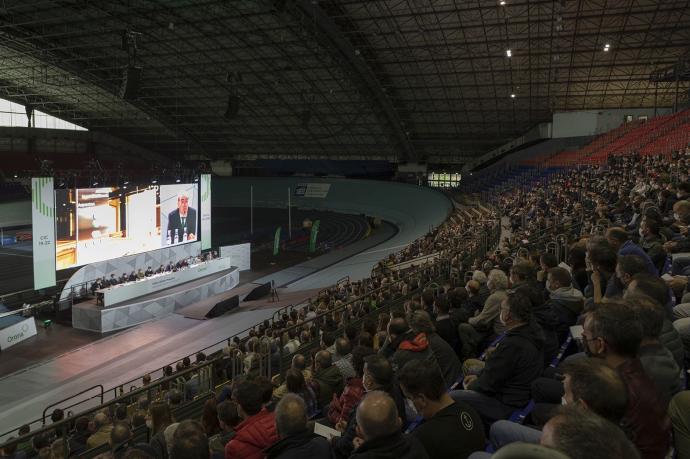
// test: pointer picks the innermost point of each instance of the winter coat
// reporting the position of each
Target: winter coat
(511, 368)
(254, 434)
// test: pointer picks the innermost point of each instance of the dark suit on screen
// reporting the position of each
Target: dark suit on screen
(174, 223)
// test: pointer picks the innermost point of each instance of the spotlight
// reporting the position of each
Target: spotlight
(512, 96)
(509, 53)
(502, 3)
(607, 47)
(177, 180)
(16, 176)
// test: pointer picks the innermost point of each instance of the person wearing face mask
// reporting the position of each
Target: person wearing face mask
(650, 241)
(377, 375)
(679, 228)
(503, 385)
(158, 419)
(612, 332)
(564, 301)
(588, 384)
(619, 240)
(422, 384)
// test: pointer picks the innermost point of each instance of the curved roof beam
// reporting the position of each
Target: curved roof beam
(358, 64)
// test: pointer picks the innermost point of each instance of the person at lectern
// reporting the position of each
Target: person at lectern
(182, 221)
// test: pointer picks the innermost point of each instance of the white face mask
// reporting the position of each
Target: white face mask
(676, 216)
(563, 401)
(149, 424)
(641, 232)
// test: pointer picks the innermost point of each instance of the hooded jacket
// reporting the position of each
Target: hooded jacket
(511, 368)
(566, 304)
(395, 446)
(328, 381)
(411, 347)
(254, 434)
(299, 446)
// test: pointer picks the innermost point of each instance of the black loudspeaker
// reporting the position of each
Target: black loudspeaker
(259, 292)
(223, 307)
(233, 107)
(130, 82)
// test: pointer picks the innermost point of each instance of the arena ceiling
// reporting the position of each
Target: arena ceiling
(342, 79)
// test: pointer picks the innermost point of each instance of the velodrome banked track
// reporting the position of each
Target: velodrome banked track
(412, 209)
(128, 355)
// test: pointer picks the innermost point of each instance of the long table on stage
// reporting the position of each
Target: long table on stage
(210, 280)
(123, 292)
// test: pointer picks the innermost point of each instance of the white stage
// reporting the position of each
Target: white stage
(191, 286)
(127, 291)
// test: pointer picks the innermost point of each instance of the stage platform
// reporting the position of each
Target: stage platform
(92, 317)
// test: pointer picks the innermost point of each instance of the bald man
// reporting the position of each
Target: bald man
(582, 434)
(103, 427)
(296, 441)
(378, 431)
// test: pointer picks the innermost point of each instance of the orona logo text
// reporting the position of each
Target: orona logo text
(18, 336)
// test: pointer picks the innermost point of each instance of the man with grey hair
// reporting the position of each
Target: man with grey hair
(296, 440)
(378, 431)
(182, 220)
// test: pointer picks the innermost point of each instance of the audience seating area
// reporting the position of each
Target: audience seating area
(548, 292)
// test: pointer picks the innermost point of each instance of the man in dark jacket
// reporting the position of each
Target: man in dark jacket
(503, 385)
(378, 428)
(445, 419)
(445, 357)
(296, 441)
(404, 344)
(565, 302)
(327, 378)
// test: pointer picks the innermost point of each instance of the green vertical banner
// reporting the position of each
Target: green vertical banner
(276, 242)
(314, 233)
(43, 231)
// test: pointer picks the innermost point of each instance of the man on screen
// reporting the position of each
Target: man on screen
(184, 217)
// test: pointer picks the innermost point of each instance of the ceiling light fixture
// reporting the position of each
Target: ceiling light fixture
(509, 53)
(512, 96)
(502, 3)
(607, 47)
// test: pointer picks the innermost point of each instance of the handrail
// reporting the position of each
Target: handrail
(43, 417)
(124, 398)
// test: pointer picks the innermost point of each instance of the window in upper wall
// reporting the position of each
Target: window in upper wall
(443, 180)
(14, 115)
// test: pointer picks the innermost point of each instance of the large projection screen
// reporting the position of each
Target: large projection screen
(99, 224)
(43, 231)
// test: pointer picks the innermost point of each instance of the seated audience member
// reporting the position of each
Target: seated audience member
(341, 407)
(149, 272)
(140, 274)
(651, 243)
(486, 323)
(378, 375)
(523, 279)
(59, 449)
(159, 418)
(475, 301)
(296, 441)
(587, 383)
(293, 342)
(443, 324)
(132, 277)
(80, 434)
(655, 288)
(613, 333)
(404, 344)
(444, 355)
(228, 419)
(113, 280)
(422, 383)
(658, 362)
(503, 385)
(582, 434)
(209, 418)
(378, 431)
(190, 442)
(628, 266)
(120, 436)
(679, 411)
(102, 426)
(299, 363)
(12, 451)
(343, 357)
(326, 378)
(547, 261)
(619, 240)
(564, 301)
(295, 384)
(257, 431)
